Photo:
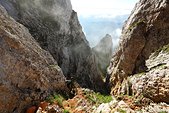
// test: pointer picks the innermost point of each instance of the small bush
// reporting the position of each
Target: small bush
(56, 98)
(66, 111)
(121, 111)
(136, 24)
(98, 98)
(59, 99)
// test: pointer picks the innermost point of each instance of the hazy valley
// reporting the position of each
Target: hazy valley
(48, 66)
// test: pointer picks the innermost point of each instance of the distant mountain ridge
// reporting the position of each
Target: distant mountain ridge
(103, 52)
(96, 28)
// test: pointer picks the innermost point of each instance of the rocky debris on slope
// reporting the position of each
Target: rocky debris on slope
(103, 51)
(146, 30)
(123, 107)
(87, 101)
(114, 107)
(56, 28)
(27, 72)
(131, 104)
(156, 108)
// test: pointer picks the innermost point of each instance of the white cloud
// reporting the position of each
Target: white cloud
(103, 8)
(118, 32)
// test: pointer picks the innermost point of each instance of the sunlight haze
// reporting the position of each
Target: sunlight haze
(101, 17)
(102, 8)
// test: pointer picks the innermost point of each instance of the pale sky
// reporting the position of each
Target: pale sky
(103, 8)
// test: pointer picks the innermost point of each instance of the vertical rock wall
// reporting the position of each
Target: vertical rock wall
(27, 72)
(146, 30)
(56, 28)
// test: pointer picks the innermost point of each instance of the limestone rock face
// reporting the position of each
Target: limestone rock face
(27, 72)
(103, 51)
(56, 28)
(146, 30)
(154, 83)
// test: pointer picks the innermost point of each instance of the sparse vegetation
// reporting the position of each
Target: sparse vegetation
(56, 98)
(139, 74)
(98, 98)
(121, 110)
(163, 49)
(54, 67)
(163, 112)
(136, 24)
(66, 111)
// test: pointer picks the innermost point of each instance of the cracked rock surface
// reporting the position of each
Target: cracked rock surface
(145, 31)
(55, 26)
(26, 74)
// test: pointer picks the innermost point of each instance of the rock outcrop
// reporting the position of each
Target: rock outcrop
(56, 28)
(154, 83)
(145, 31)
(27, 72)
(103, 51)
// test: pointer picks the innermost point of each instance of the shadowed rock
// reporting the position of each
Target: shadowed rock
(103, 51)
(26, 72)
(56, 28)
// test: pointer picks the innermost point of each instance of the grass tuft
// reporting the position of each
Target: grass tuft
(56, 98)
(98, 98)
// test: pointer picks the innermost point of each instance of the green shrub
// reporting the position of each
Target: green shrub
(163, 112)
(98, 98)
(66, 111)
(136, 24)
(56, 98)
(121, 110)
(59, 99)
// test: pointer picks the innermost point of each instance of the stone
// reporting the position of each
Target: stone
(114, 107)
(43, 105)
(31, 109)
(25, 72)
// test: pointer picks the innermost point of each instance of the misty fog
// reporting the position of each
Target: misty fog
(96, 28)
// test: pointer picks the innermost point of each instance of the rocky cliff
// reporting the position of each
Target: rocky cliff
(153, 83)
(145, 31)
(27, 72)
(103, 51)
(55, 26)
